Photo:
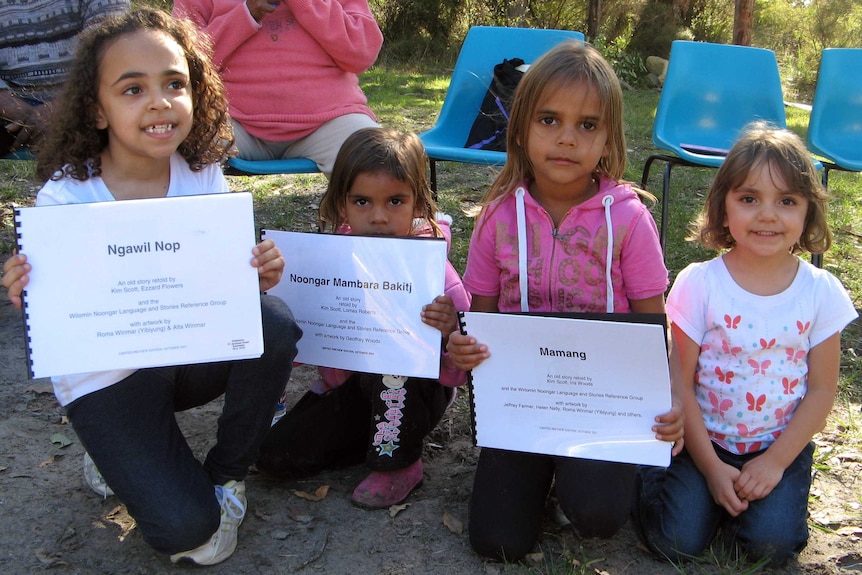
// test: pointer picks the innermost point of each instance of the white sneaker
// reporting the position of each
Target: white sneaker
(94, 479)
(222, 544)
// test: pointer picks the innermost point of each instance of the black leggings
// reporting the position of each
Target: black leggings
(361, 420)
(511, 488)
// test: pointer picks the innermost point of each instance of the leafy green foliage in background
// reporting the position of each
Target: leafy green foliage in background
(428, 33)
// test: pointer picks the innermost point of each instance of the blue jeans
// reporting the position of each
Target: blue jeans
(677, 517)
(131, 432)
(511, 488)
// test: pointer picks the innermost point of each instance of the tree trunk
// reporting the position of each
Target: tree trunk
(517, 12)
(743, 19)
(593, 19)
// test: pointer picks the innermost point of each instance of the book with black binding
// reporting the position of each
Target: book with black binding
(583, 385)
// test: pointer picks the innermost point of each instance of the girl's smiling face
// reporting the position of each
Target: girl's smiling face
(144, 96)
(764, 217)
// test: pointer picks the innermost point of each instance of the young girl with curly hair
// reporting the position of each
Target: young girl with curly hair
(144, 116)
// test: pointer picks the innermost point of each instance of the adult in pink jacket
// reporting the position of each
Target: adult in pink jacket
(291, 70)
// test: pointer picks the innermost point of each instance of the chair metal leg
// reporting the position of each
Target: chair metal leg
(664, 194)
(670, 162)
(665, 201)
(645, 175)
(433, 182)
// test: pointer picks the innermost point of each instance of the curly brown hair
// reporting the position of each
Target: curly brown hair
(785, 154)
(74, 144)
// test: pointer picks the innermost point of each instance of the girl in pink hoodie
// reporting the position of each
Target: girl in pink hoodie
(560, 232)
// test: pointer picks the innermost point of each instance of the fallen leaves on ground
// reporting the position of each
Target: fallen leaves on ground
(50, 460)
(396, 509)
(318, 495)
(452, 523)
(294, 515)
(60, 440)
(120, 517)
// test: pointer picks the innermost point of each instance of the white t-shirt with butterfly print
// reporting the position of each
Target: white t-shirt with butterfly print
(752, 369)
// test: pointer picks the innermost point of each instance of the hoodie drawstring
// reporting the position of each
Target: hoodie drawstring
(522, 248)
(607, 202)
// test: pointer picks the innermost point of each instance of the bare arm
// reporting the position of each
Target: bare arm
(719, 475)
(27, 121)
(761, 474)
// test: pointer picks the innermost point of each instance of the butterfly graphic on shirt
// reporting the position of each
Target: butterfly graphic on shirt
(719, 406)
(803, 327)
(729, 350)
(782, 414)
(789, 385)
(732, 322)
(755, 403)
(724, 376)
(767, 344)
(793, 355)
(743, 431)
(759, 367)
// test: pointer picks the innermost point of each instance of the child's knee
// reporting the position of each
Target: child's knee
(280, 330)
(774, 547)
(675, 541)
(180, 528)
(497, 549)
(675, 548)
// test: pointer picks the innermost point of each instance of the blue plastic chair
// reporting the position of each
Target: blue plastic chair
(710, 92)
(835, 125)
(240, 167)
(483, 48)
(22, 154)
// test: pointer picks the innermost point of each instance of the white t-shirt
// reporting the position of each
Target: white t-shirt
(753, 364)
(183, 182)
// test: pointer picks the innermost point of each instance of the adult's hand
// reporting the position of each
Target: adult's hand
(260, 8)
(27, 121)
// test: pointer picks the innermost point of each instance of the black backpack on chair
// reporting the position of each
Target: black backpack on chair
(489, 127)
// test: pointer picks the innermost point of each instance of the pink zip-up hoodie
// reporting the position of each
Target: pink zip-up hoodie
(568, 265)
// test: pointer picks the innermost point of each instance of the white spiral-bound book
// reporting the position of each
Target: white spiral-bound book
(140, 283)
(587, 388)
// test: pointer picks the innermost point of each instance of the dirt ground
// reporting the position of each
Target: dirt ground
(51, 522)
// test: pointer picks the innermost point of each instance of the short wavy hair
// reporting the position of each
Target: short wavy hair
(74, 144)
(785, 153)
